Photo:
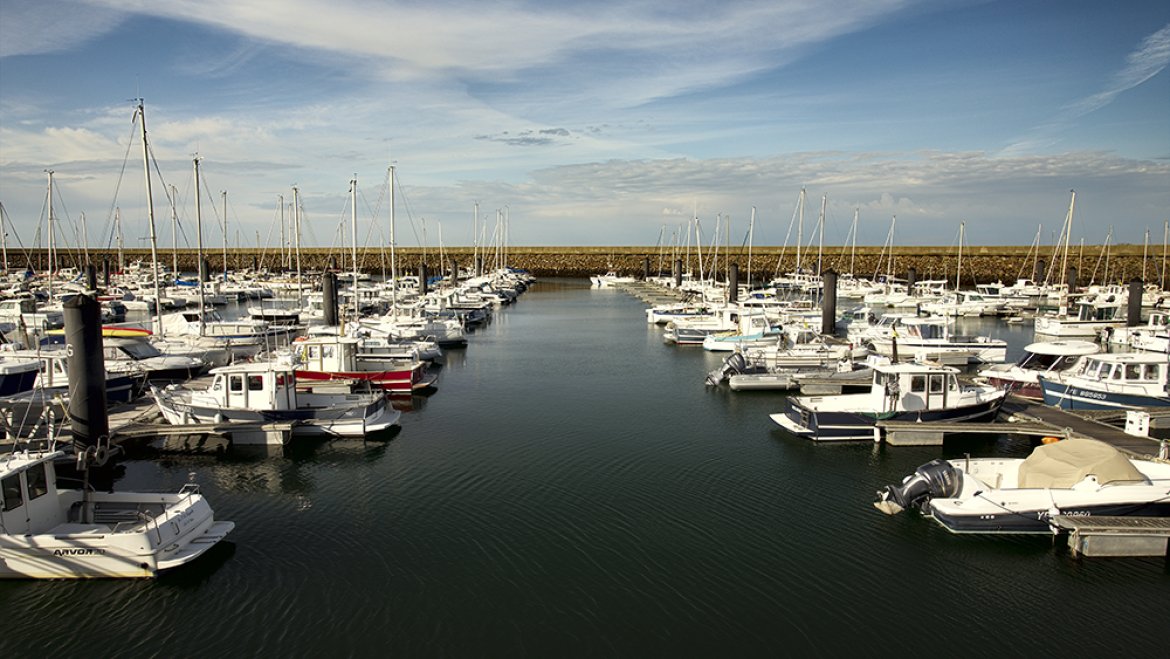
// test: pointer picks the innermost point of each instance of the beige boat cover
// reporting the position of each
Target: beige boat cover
(1066, 463)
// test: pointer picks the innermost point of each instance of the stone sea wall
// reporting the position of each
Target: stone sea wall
(1117, 264)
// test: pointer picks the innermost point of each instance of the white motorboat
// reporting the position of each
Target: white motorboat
(1093, 317)
(931, 338)
(898, 392)
(1079, 477)
(49, 532)
(265, 392)
(1043, 358)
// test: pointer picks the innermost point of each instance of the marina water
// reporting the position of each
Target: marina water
(573, 489)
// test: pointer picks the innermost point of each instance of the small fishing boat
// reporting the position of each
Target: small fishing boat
(898, 392)
(1110, 381)
(331, 357)
(50, 532)
(266, 392)
(1080, 477)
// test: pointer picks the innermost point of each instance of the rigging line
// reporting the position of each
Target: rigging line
(109, 224)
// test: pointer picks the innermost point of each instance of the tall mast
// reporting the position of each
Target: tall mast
(1145, 254)
(959, 269)
(751, 239)
(4, 238)
(1161, 280)
(199, 243)
(51, 263)
(853, 247)
(174, 234)
(821, 240)
(280, 200)
(799, 229)
(297, 236)
(353, 226)
(1072, 202)
(225, 235)
(475, 239)
(393, 259)
(150, 215)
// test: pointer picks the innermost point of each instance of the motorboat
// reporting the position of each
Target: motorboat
(931, 338)
(1043, 358)
(138, 355)
(1076, 477)
(1094, 316)
(51, 532)
(898, 392)
(1110, 381)
(332, 357)
(610, 278)
(17, 374)
(265, 392)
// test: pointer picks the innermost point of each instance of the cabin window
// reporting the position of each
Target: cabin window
(255, 383)
(952, 382)
(1133, 372)
(918, 384)
(12, 496)
(314, 352)
(236, 383)
(936, 383)
(38, 482)
(327, 352)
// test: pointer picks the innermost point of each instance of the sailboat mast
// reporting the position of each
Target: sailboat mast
(223, 193)
(150, 216)
(280, 200)
(353, 226)
(51, 264)
(297, 237)
(799, 228)
(199, 243)
(393, 260)
(1145, 254)
(959, 269)
(174, 233)
(1072, 202)
(821, 243)
(751, 239)
(853, 247)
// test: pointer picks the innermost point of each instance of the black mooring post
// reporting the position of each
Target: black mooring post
(1133, 316)
(1038, 275)
(90, 277)
(106, 272)
(1070, 279)
(911, 279)
(678, 273)
(88, 415)
(329, 298)
(829, 303)
(646, 269)
(479, 266)
(422, 278)
(733, 283)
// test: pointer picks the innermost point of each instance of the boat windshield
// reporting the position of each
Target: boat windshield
(140, 350)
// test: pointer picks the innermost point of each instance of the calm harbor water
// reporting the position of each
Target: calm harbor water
(573, 489)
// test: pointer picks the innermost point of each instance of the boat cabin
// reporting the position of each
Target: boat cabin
(1133, 369)
(914, 387)
(28, 483)
(256, 386)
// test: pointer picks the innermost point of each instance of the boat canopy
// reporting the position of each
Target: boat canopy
(1066, 463)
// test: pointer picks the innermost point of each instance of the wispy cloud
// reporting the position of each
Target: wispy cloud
(1147, 61)
(31, 27)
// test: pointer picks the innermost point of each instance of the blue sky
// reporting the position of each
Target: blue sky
(592, 122)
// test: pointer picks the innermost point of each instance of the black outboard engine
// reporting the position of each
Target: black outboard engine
(937, 478)
(733, 365)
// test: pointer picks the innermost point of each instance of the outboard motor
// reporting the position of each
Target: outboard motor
(937, 478)
(733, 365)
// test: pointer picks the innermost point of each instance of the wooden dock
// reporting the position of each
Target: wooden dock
(1026, 417)
(1115, 536)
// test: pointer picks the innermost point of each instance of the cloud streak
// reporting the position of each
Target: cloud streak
(1148, 60)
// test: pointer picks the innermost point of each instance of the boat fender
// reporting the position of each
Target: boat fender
(219, 417)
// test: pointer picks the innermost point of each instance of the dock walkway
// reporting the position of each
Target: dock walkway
(1026, 417)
